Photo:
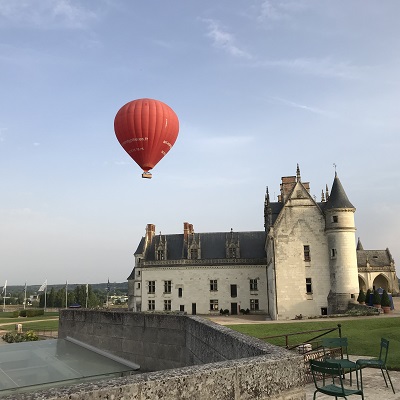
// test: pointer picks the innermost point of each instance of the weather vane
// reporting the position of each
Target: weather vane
(334, 166)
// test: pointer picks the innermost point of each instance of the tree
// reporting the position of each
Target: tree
(376, 298)
(385, 301)
(361, 297)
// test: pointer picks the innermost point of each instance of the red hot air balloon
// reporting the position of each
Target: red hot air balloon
(147, 129)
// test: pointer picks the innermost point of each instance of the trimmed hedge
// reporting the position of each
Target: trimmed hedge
(31, 312)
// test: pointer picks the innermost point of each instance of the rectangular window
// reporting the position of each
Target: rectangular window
(213, 305)
(213, 285)
(233, 290)
(307, 253)
(254, 306)
(138, 273)
(253, 284)
(167, 305)
(151, 287)
(138, 285)
(232, 252)
(160, 254)
(308, 286)
(151, 305)
(335, 219)
(167, 286)
(182, 307)
(180, 290)
(333, 253)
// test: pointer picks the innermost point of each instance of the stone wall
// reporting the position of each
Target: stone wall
(191, 358)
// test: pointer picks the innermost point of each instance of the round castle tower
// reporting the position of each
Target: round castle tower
(340, 230)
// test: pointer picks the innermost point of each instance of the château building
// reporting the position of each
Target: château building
(306, 261)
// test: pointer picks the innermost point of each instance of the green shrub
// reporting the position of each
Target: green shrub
(22, 313)
(385, 300)
(361, 297)
(12, 337)
(34, 312)
(15, 314)
(377, 298)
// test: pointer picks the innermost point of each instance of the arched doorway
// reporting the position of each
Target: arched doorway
(361, 284)
(381, 281)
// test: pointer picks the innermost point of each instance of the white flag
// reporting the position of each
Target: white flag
(4, 287)
(43, 287)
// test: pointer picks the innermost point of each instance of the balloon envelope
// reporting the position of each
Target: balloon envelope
(147, 129)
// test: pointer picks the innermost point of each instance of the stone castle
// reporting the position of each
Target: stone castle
(306, 261)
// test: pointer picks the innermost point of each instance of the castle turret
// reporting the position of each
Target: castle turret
(340, 230)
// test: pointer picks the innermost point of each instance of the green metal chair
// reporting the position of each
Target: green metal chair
(378, 362)
(333, 346)
(331, 370)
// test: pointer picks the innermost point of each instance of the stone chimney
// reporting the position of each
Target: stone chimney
(187, 230)
(150, 232)
(287, 185)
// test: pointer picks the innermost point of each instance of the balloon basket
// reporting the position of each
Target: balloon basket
(146, 175)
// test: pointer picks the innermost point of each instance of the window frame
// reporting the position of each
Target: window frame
(253, 285)
(307, 252)
(309, 288)
(167, 305)
(151, 287)
(213, 285)
(151, 305)
(214, 306)
(254, 305)
(167, 287)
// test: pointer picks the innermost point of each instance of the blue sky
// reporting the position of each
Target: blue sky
(258, 87)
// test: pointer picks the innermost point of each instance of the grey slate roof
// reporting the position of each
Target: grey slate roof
(376, 258)
(213, 245)
(338, 197)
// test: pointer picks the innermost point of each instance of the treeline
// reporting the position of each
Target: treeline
(97, 294)
(57, 298)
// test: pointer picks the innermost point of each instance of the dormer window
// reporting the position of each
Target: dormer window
(194, 254)
(160, 254)
(335, 219)
(232, 252)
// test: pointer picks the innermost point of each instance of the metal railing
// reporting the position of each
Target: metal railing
(311, 349)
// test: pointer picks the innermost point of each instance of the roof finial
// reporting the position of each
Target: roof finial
(298, 173)
(334, 166)
(322, 196)
(267, 196)
(327, 192)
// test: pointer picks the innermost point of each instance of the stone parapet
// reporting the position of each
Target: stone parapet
(190, 358)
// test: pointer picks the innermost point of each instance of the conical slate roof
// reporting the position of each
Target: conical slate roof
(338, 197)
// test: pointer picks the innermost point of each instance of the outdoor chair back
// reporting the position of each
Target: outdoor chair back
(378, 362)
(331, 372)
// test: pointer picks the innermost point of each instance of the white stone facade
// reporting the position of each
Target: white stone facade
(200, 290)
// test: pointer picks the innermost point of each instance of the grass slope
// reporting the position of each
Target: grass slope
(364, 334)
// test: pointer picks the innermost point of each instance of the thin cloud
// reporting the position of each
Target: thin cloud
(46, 14)
(325, 67)
(279, 10)
(224, 40)
(304, 107)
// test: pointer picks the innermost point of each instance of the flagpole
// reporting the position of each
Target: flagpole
(66, 294)
(5, 295)
(25, 297)
(87, 294)
(45, 297)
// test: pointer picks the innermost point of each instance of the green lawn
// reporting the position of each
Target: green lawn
(363, 334)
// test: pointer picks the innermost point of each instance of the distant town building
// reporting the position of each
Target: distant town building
(304, 262)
